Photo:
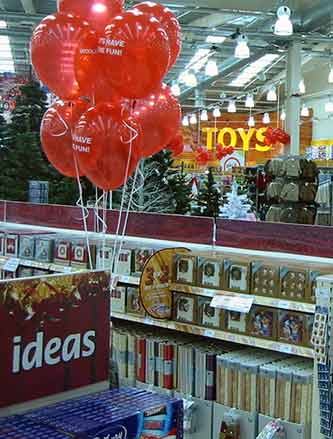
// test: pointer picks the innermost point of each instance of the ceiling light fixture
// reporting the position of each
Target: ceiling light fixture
(190, 80)
(185, 121)
(329, 107)
(251, 122)
(204, 116)
(302, 88)
(283, 26)
(217, 112)
(175, 89)
(253, 70)
(193, 119)
(272, 95)
(211, 68)
(305, 111)
(266, 119)
(232, 107)
(242, 50)
(249, 102)
(330, 76)
(283, 115)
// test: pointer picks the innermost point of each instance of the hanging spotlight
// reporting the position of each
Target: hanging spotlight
(283, 26)
(330, 76)
(191, 80)
(204, 115)
(283, 115)
(271, 95)
(175, 89)
(305, 111)
(217, 112)
(251, 122)
(193, 119)
(242, 50)
(185, 121)
(249, 102)
(211, 68)
(266, 119)
(302, 88)
(232, 107)
(329, 107)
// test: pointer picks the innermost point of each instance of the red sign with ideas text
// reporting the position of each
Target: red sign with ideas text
(54, 335)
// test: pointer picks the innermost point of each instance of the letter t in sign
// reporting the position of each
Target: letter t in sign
(210, 132)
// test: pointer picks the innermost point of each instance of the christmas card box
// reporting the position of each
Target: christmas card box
(291, 327)
(185, 269)
(27, 247)
(11, 245)
(37, 272)
(207, 315)
(7, 275)
(63, 251)
(44, 249)
(265, 279)
(262, 322)
(118, 300)
(185, 308)
(133, 302)
(235, 322)
(209, 272)
(104, 257)
(124, 262)
(2, 243)
(140, 257)
(237, 276)
(294, 283)
(80, 254)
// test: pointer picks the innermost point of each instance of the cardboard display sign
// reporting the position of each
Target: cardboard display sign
(155, 294)
(54, 335)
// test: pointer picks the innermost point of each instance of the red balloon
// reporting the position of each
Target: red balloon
(176, 146)
(56, 135)
(159, 116)
(102, 139)
(136, 54)
(169, 22)
(97, 12)
(53, 47)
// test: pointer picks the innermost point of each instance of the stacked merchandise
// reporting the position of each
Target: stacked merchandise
(322, 342)
(324, 198)
(129, 413)
(266, 382)
(293, 190)
(247, 379)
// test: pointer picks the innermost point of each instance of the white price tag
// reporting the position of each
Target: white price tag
(233, 302)
(125, 279)
(148, 321)
(67, 269)
(11, 265)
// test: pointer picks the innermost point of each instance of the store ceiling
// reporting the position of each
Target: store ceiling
(199, 19)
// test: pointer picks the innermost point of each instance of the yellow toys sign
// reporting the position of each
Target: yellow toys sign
(236, 137)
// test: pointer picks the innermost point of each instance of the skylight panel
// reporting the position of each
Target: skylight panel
(253, 70)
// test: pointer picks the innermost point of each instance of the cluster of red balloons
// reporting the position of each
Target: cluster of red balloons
(274, 135)
(224, 151)
(107, 66)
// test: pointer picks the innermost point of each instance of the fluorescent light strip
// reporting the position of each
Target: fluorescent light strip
(198, 60)
(6, 55)
(253, 69)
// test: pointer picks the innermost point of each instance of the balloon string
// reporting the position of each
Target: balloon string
(102, 220)
(84, 210)
(116, 251)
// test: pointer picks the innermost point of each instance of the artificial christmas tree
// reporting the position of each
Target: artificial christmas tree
(237, 206)
(181, 189)
(209, 198)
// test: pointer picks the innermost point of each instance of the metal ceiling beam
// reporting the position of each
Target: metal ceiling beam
(28, 6)
(317, 15)
(224, 70)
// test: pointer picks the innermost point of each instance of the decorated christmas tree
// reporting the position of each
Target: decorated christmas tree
(181, 189)
(209, 198)
(21, 156)
(237, 206)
